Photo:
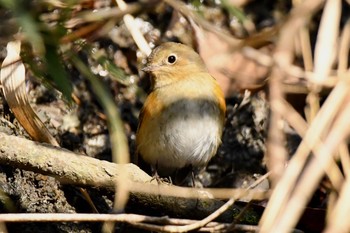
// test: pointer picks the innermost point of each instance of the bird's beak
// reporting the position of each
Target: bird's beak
(150, 68)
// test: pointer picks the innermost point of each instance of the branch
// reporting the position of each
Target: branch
(62, 164)
(81, 170)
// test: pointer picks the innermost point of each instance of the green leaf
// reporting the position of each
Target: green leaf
(57, 71)
(234, 11)
(119, 141)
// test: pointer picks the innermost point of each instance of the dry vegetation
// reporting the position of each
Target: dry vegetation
(282, 65)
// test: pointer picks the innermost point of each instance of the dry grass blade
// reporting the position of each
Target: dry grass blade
(299, 16)
(327, 40)
(283, 57)
(314, 171)
(120, 149)
(306, 48)
(13, 82)
(344, 48)
(340, 212)
(276, 152)
(3, 227)
(345, 159)
(122, 194)
(299, 124)
(285, 187)
(303, 190)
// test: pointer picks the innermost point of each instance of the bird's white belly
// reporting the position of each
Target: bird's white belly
(188, 133)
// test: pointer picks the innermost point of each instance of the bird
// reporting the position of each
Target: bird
(182, 119)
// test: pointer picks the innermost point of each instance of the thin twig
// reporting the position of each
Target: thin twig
(140, 221)
(134, 30)
(215, 214)
(181, 7)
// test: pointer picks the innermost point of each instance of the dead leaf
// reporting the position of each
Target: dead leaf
(13, 84)
(234, 72)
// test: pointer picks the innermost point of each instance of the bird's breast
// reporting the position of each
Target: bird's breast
(185, 131)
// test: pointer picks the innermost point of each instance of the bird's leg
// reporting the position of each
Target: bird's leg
(155, 176)
(193, 179)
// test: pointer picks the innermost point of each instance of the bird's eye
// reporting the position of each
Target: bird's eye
(171, 59)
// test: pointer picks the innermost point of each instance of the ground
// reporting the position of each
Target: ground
(80, 128)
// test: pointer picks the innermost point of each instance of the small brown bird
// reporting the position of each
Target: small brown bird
(182, 119)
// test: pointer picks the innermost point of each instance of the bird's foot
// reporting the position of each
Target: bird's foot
(161, 180)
